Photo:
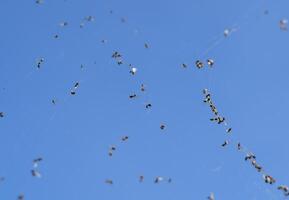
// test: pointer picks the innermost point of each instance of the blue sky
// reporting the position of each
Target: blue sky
(249, 84)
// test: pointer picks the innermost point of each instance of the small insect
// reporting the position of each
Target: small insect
(103, 41)
(1, 114)
(133, 71)
(62, 24)
(111, 150)
(116, 55)
(39, 62)
(35, 173)
(258, 167)
(239, 146)
(221, 120)
(36, 162)
(225, 143)
(124, 138)
(210, 62)
(38, 159)
(269, 179)
(146, 45)
(229, 130)
(205, 91)
(76, 85)
(283, 24)
(89, 18)
(158, 179)
(184, 65)
(250, 156)
(109, 181)
(132, 96)
(141, 178)
(199, 64)
(162, 126)
(142, 87)
(39, 1)
(211, 197)
(284, 188)
(148, 106)
(207, 98)
(20, 197)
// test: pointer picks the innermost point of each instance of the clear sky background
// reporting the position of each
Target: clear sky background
(249, 84)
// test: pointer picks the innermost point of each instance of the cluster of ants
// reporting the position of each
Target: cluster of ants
(249, 156)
